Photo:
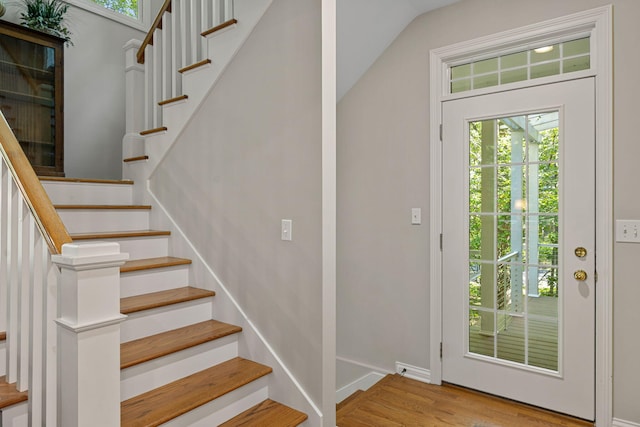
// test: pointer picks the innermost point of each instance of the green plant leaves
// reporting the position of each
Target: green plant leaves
(46, 16)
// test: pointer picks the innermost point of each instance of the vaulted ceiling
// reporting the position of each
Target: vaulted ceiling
(366, 28)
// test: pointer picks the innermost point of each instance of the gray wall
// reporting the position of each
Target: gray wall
(94, 116)
(383, 158)
(250, 157)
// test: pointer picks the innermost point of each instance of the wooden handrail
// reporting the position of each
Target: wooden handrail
(157, 24)
(47, 219)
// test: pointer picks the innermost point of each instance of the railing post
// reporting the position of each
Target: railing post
(89, 334)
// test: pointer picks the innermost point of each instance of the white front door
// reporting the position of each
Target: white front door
(519, 245)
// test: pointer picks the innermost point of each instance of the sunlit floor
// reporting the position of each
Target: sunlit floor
(398, 401)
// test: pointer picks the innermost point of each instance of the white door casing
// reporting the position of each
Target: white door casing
(571, 389)
(598, 23)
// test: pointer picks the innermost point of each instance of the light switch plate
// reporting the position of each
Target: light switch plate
(416, 216)
(286, 229)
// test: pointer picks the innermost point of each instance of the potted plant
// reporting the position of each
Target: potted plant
(46, 16)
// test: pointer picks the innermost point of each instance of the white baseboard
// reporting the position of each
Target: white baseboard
(362, 383)
(622, 423)
(414, 372)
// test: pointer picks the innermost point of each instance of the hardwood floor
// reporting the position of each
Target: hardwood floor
(398, 401)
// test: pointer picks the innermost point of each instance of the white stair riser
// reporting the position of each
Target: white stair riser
(97, 220)
(154, 280)
(225, 407)
(3, 358)
(15, 416)
(144, 247)
(150, 322)
(156, 373)
(141, 247)
(72, 193)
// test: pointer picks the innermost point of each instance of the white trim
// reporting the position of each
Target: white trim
(136, 23)
(235, 303)
(74, 327)
(414, 372)
(363, 383)
(599, 22)
(622, 423)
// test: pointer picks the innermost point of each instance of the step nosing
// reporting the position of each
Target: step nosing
(168, 402)
(102, 207)
(153, 263)
(166, 343)
(153, 300)
(119, 234)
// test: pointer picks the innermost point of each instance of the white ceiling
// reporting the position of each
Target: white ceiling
(365, 28)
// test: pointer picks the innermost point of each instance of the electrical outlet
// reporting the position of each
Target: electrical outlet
(628, 231)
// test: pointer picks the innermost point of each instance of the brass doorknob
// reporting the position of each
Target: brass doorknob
(580, 252)
(580, 275)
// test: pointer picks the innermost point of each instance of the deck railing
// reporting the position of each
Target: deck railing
(174, 42)
(46, 306)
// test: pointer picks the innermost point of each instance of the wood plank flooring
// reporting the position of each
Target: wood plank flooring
(398, 401)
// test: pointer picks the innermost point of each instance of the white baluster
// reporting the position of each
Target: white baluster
(185, 30)
(194, 31)
(12, 281)
(205, 24)
(24, 294)
(229, 12)
(167, 41)
(157, 79)
(148, 87)
(176, 47)
(38, 315)
(3, 250)
(50, 331)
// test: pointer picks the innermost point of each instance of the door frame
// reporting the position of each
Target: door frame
(598, 24)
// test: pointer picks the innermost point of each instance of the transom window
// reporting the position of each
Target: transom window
(547, 60)
(125, 7)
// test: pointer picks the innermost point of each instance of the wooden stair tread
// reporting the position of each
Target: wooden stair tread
(267, 413)
(9, 395)
(165, 403)
(148, 348)
(136, 159)
(103, 207)
(352, 398)
(3, 336)
(87, 181)
(172, 100)
(118, 234)
(150, 263)
(194, 66)
(154, 130)
(217, 28)
(162, 299)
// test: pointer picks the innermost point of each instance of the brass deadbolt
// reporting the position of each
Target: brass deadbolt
(580, 252)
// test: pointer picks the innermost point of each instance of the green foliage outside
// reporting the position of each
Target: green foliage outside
(126, 7)
(498, 165)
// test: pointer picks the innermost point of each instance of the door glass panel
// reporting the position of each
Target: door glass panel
(513, 239)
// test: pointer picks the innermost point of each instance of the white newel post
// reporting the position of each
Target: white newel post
(133, 143)
(89, 334)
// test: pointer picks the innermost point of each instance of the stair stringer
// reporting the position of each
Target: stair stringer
(283, 386)
(222, 47)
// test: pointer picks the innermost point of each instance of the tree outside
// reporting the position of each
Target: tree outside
(126, 7)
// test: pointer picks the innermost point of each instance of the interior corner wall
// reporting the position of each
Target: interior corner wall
(94, 92)
(383, 162)
(250, 157)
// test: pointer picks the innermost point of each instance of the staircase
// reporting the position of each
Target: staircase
(179, 366)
